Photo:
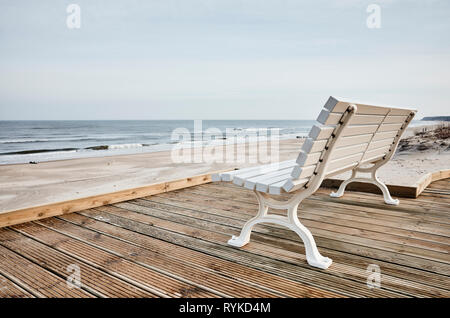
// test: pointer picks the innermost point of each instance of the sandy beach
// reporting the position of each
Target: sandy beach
(28, 185)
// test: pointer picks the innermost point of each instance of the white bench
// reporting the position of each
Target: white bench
(353, 137)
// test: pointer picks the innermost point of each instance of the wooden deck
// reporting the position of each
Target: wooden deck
(174, 245)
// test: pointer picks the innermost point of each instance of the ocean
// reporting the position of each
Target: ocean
(37, 141)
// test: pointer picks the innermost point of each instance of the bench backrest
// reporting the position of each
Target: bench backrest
(370, 134)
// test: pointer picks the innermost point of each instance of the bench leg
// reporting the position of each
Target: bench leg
(374, 180)
(313, 257)
(244, 237)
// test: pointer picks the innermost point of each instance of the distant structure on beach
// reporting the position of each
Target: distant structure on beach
(437, 118)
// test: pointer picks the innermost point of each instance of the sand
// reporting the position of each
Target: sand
(28, 185)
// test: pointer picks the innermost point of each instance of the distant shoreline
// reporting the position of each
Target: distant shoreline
(436, 118)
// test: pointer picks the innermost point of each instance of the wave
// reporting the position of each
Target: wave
(34, 151)
(125, 146)
(100, 147)
(16, 141)
(115, 147)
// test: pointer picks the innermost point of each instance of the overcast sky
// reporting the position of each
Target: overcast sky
(219, 59)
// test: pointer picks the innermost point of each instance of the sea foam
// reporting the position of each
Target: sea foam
(125, 146)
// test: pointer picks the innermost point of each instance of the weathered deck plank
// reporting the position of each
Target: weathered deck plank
(94, 280)
(173, 244)
(136, 274)
(8, 289)
(35, 279)
(202, 279)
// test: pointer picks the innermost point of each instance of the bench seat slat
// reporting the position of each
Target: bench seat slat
(390, 127)
(303, 172)
(376, 152)
(344, 162)
(348, 151)
(319, 133)
(359, 130)
(291, 185)
(339, 106)
(241, 179)
(395, 119)
(250, 183)
(341, 169)
(313, 146)
(278, 188)
(228, 176)
(380, 143)
(305, 159)
(328, 118)
(356, 130)
(263, 186)
(384, 135)
(353, 140)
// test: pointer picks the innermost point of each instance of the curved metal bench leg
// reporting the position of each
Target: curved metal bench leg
(313, 256)
(340, 192)
(246, 231)
(374, 180)
(386, 195)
